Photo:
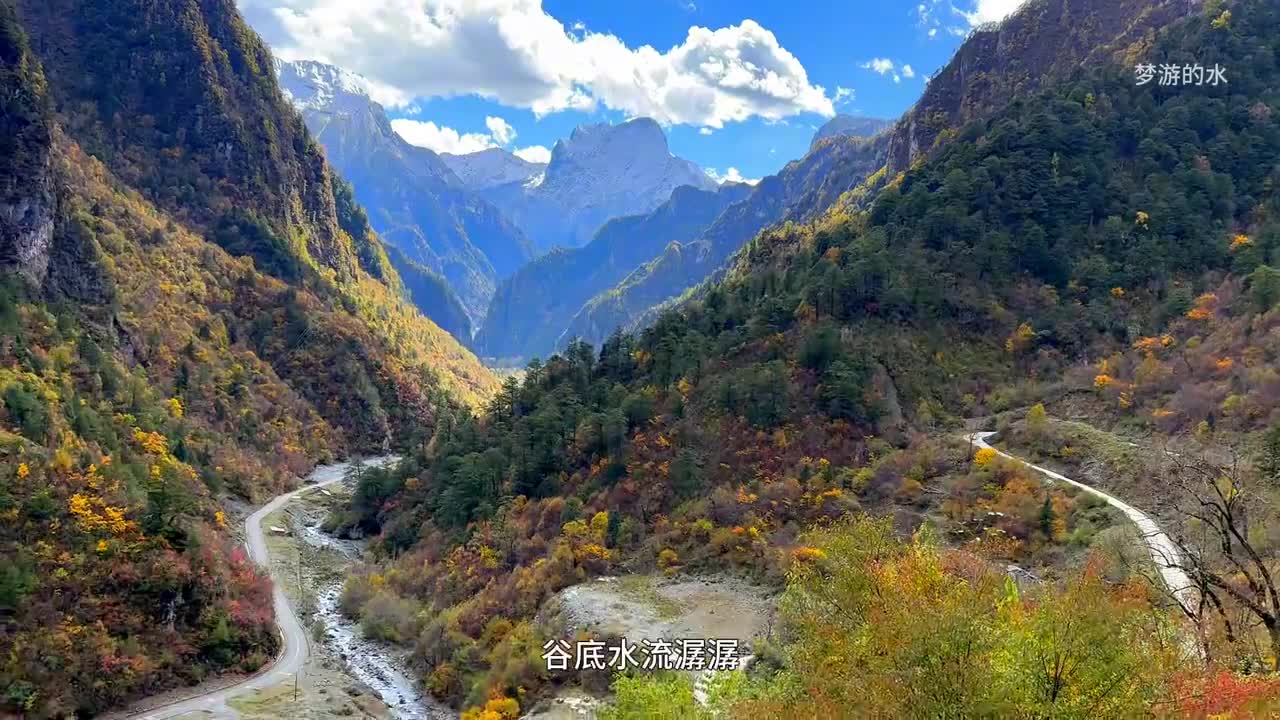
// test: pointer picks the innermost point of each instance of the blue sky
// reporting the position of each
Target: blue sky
(738, 84)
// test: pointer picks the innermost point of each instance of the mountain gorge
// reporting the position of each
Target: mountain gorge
(415, 201)
(531, 310)
(1101, 247)
(218, 270)
(195, 311)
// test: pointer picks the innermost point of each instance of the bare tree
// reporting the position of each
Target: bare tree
(1221, 499)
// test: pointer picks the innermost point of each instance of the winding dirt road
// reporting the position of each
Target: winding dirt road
(296, 650)
(1164, 552)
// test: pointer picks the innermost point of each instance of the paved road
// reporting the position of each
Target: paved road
(1164, 553)
(296, 650)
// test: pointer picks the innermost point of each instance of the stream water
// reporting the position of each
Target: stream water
(378, 665)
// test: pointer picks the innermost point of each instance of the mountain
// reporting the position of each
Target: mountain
(598, 173)
(851, 125)
(194, 313)
(1104, 248)
(531, 309)
(995, 62)
(1001, 60)
(415, 202)
(490, 168)
(799, 192)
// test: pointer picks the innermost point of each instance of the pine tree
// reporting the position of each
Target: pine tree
(1046, 517)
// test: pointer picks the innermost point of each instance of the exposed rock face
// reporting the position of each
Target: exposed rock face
(26, 228)
(217, 111)
(28, 202)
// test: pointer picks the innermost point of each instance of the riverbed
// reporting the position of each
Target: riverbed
(384, 669)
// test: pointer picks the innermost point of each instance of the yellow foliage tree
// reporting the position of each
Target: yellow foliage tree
(599, 524)
(151, 442)
(1021, 339)
(1037, 419)
(985, 456)
(807, 554)
(1204, 307)
(499, 708)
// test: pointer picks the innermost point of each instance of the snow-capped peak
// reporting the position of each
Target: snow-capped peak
(491, 167)
(311, 85)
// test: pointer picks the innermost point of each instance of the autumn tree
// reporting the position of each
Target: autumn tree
(1037, 422)
(1225, 506)
(907, 630)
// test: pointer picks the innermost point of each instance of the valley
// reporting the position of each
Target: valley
(413, 361)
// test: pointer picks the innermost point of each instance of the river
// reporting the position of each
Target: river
(382, 667)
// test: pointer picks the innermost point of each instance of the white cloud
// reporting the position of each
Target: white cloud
(534, 153)
(444, 139)
(884, 66)
(513, 52)
(731, 175)
(843, 94)
(985, 11)
(705, 131)
(502, 133)
(927, 16)
(439, 138)
(935, 15)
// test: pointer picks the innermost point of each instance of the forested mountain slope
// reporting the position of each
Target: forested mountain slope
(1091, 219)
(532, 308)
(433, 295)
(1043, 41)
(193, 308)
(1046, 40)
(415, 201)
